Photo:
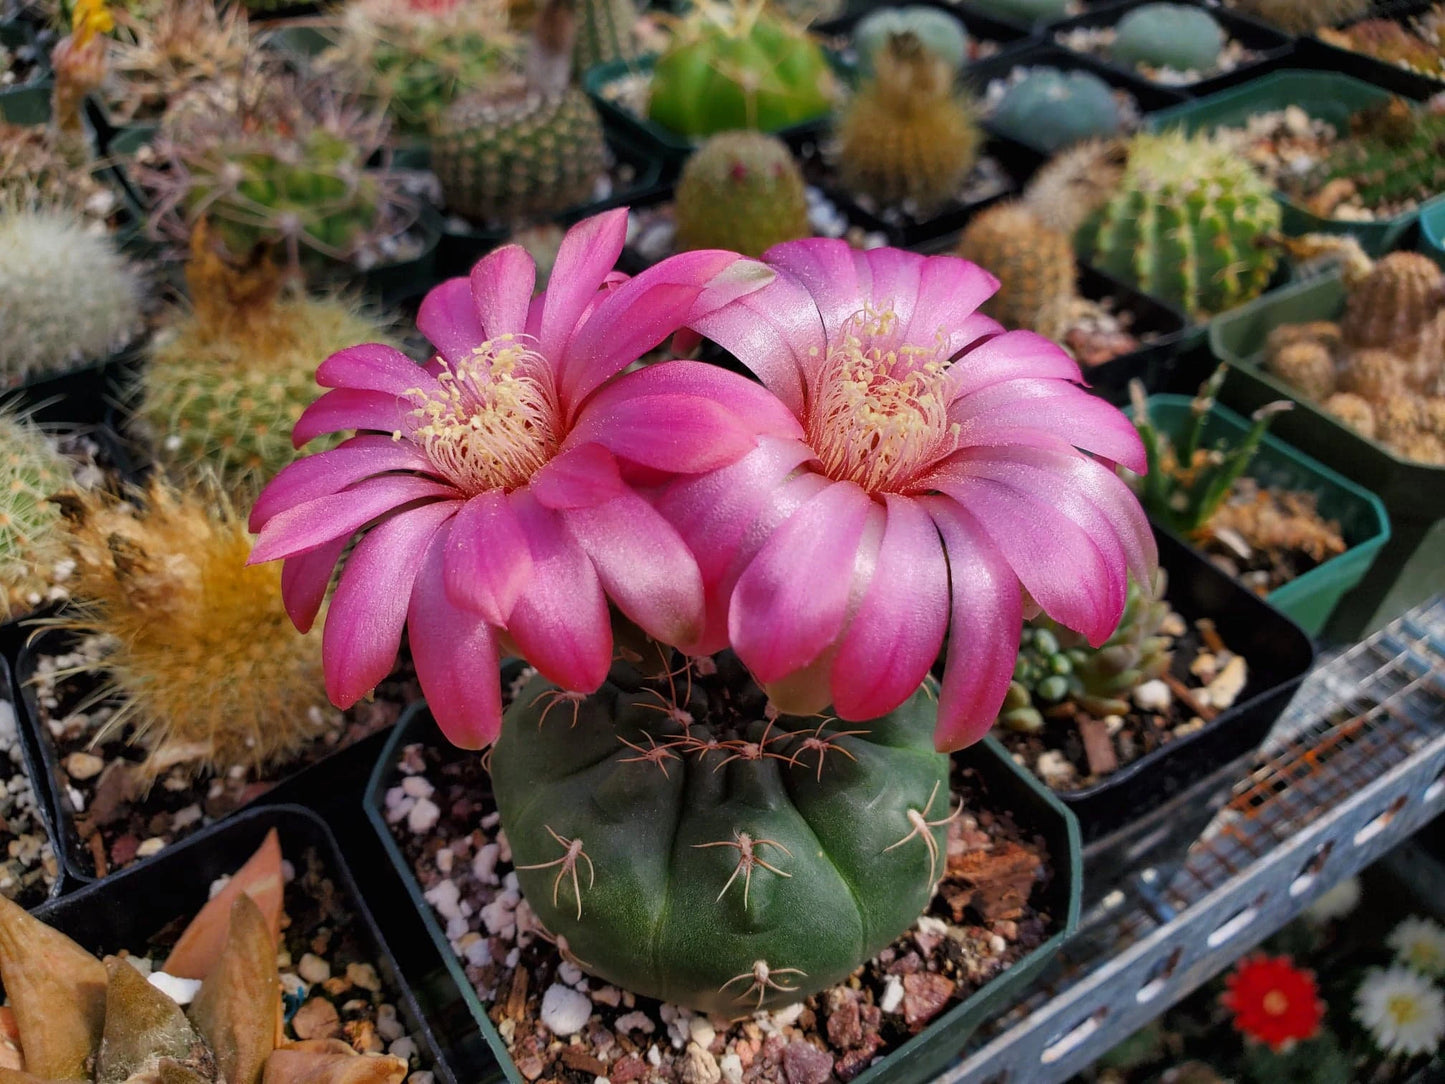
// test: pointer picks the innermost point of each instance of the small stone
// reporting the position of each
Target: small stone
(530, 1066)
(925, 993)
(564, 1010)
(423, 816)
(635, 1021)
(1098, 745)
(578, 1060)
(149, 847)
(403, 1048)
(1225, 688)
(181, 991)
(845, 1026)
(387, 1024)
(417, 786)
(631, 1068)
(698, 1066)
(1153, 695)
(607, 995)
(82, 766)
(569, 973)
(701, 1031)
(317, 1019)
(363, 975)
(732, 1068)
(804, 1063)
(313, 968)
(892, 995)
(1054, 769)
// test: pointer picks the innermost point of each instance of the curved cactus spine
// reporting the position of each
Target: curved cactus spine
(690, 844)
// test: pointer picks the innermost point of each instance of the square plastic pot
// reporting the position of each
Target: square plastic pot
(1030, 803)
(838, 33)
(1432, 230)
(126, 910)
(1327, 96)
(34, 770)
(1411, 567)
(1314, 53)
(1308, 600)
(1147, 814)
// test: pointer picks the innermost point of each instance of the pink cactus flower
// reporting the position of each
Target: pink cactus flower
(936, 487)
(495, 484)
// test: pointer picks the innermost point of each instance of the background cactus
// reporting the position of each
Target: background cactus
(935, 28)
(681, 845)
(906, 136)
(67, 296)
(1184, 223)
(1076, 182)
(741, 191)
(31, 540)
(1168, 36)
(207, 667)
(1053, 109)
(41, 167)
(1394, 157)
(1392, 303)
(604, 33)
(736, 65)
(1034, 265)
(1303, 16)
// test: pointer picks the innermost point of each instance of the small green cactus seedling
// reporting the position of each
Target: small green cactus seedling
(32, 543)
(1051, 109)
(734, 64)
(680, 839)
(605, 32)
(741, 191)
(1187, 482)
(1169, 36)
(67, 296)
(936, 29)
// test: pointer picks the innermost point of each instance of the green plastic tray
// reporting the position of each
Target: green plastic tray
(919, 1060)
(1432, 230)
(1411, 567)
(1309, 599)
(1327, 96)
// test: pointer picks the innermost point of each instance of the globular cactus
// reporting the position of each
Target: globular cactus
(1303, 16)
(1306, 366)
(1052, 109)
(67, 296)
(1390, 306)
(1184, 224)
(680, 841)
(41, 167)
(935, 28)
(1393, 159)
(1076, 182)
(1033, 263)
(1028, 11)
(906, 137)
(1056, 665)
(205, 663)
(734, 64)
(1173, 36)
(1376, 375)
(1354, 411)
(605, 32)
(741, 191)
(32, 543)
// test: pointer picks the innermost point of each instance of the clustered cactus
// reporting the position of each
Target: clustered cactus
(1417, 45)
(1392, 160)
(1053, 109)
(1174, 36)
(32, 543)
(741, 191)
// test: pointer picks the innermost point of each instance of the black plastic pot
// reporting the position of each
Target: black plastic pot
(1271, 45)
(1030, 804)
(126, 911)
(85, 395)
(1162, 325)
(1148, 813)
(15, 36)
(1314, 53)
(34, 771)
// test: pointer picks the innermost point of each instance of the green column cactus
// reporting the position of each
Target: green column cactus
(604, 33)
(681, 844)
(741, 191)
(1169, 36)
(1052, 109)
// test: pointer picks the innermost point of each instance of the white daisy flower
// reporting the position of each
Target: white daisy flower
(1403, 1010)
(1336, 903)
(1420, 943)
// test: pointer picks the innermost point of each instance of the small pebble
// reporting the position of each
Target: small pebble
(564, 1010)
(635, 1021)
(181, 991)
(892, 995)
(424, 815)
(83, 766)
(313, 968)
(151, 846)
(1153, 696)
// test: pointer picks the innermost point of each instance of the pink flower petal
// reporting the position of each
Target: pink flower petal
(368, 611)
(830, 271)
(588, 253)
(448, 317)
(792, 600)
(346, 408)
(305, 526)
(488, 562)
(682, 433)
(330, 472)
(502, 284)
(304, 580)
(754, 405)
(580, 477)
(374, 367)
(1004, 412)
(983, 633)
(644, 566)
(455, 653)
(950, 291)
(560, 623)
(1012, 355)
(896, 634)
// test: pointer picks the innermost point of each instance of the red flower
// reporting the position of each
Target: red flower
(1273, 1001)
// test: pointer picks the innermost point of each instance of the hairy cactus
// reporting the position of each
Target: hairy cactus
(1056, 664)
(1030, 11)
(1394, 158)
(741, 191)
(1053, 109)
(1376, 375)
(679, 840)
(67, 297)
(1390, 306)
(1306, 366)
(935, 28)
(1303, 16)
(604, 33)
(905, 137)
(1184, 224)
(1075, 183)
(207, 666)
(1355, 412)
(1168, 36)
(734, 64)
(1033, 263)
(31, 540)
(42, 167)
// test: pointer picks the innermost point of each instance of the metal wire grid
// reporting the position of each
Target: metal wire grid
(1345, 745)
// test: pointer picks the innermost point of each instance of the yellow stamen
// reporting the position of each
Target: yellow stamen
(1403, 1009)
(1275, 1003)
(494, 420)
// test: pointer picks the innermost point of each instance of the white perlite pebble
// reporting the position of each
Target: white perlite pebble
(484, 865)
(732, 1068)
(424, 815)
(892, 995)
(564, 1010)
(703, 1033)
(635, 1021)
(149, 847)
(181, 991)
(313, 968)
(387, 1025)
(569, 973)
(402, 1048)
(1153, 696)
(417, 786)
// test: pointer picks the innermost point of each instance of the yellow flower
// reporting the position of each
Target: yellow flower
(89, 18)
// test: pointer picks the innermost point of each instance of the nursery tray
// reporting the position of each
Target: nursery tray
(34, 770)
(1432, 230)
(1032, 805)
(1412, 566)
(126, 910)
(1308, 600)
(837, 34)
(1315, 53)
(1327, 96)
(1151, 362)
(1271, 45)
(27, 104)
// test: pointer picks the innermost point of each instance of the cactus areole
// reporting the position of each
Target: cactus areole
(683, 841)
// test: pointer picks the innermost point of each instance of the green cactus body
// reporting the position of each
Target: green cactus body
(1184, 223)
(741, 191)
(31, 539)
(1052, 109)
(1030, 11)
(939, 31)
(604, 33)
(754, 72)
(695, 852)
(416, 86)
(1169, 36)
(514, 159)
(1394, 159)
(1034, 265)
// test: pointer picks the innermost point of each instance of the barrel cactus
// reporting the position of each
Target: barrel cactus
(31, 540)
(936, 28)
(1184, 223)
(604, 33)
(1169, 36)
(741, 191)
(737, 65)
(1052, 109)
(680, 840)
(1033, 262)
